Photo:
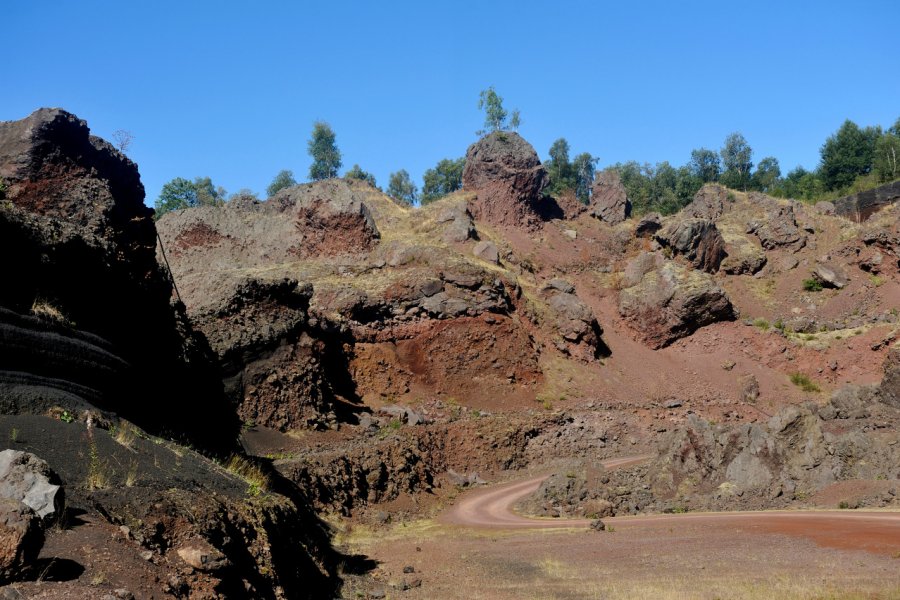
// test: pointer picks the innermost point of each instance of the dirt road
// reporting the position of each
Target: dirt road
(492, 507)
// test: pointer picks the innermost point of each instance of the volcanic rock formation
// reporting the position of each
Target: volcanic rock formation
(508, 179)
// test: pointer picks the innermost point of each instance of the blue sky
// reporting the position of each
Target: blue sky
(231, 89)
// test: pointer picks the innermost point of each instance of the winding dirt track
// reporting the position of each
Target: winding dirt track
(873, 531)
(492, 507)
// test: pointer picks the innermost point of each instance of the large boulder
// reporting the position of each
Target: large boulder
(698, 240)
(53, 166)
(272, 360)
(21, 539)
(671, 301)
(710, 202)
(609, 200)
(507, 176)
(26, 478)
(456, 224)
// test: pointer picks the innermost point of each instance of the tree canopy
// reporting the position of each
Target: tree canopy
(181, 193)
(402, 188)
(324, 152)
(356, 172)
(445, 178)
(847, 154)
(736, 160)
(496, 118)
(284, 179)
(705, 165)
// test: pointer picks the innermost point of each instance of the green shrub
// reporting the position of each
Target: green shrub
(804, 383)
(761, 324)
(812, 285)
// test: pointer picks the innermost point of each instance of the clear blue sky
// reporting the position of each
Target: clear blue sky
(231, 89)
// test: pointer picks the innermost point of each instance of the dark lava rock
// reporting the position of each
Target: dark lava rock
(507, 176)
(85, 277)
(779, 229)
(53, 166)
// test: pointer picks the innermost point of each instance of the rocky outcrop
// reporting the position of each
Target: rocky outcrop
(794, 453)
(710, 202)
(328, 217)
(609, 200)
(507, 176)
(670, 301)
(274, 363)
(779, 229)
(698, 240)
(863, 205)
(28, 479)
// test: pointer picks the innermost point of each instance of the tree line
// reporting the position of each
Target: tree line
(851, 160)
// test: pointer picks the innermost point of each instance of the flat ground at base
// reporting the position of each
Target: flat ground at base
(668, 558)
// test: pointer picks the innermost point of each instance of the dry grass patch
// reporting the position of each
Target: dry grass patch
(45, 310)
(247, 470)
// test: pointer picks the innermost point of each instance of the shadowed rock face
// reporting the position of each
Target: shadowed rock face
(508, 178)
